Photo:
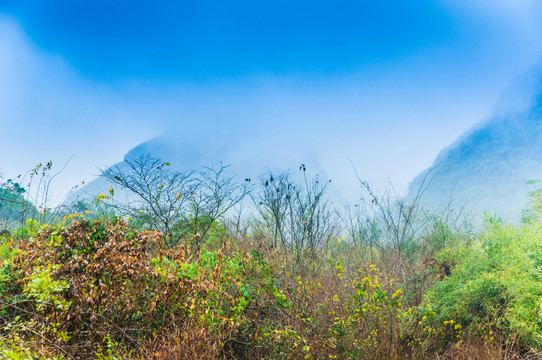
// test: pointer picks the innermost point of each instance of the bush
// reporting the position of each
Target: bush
(497, 285)
(100, 287)
(104, 288)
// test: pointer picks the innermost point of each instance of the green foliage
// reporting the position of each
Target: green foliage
(397, 282)
(41, 287)
(191, 228)
(497, 284)
(31, 228)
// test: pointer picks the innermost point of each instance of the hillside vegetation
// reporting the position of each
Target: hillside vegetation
(199, 266)
(487, 168)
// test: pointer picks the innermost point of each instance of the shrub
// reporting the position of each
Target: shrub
(497, 285)
(79, 290)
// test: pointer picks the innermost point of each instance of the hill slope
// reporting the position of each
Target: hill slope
(487, 168)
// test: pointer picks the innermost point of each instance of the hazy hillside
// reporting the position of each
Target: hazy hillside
(245, 160)
(487, 168)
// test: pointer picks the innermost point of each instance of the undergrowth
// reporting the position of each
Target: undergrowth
(399, 284)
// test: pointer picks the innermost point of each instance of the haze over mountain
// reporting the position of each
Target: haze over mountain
(487, 168)
(248, 159)
(386, 84)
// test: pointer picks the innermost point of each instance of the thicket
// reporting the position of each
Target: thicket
(198, 266)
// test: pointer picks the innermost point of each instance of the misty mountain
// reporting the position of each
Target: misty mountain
(488, 167)
(243, 160)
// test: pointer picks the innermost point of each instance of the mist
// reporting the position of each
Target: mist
(389, 118)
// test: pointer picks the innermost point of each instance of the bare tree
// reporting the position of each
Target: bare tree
(174, 202)
(162, 195)
(298, 215)
(273, 201)
(397, 217)
(310, 215)
(215, 195)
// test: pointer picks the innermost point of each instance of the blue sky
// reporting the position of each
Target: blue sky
(386, 84)
(195, 40)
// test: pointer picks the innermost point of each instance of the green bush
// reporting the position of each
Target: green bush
(497, 284)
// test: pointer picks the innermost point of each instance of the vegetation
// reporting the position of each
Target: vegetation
(200, 267)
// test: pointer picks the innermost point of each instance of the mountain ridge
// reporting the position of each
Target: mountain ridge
(487, 168)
